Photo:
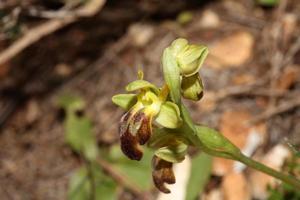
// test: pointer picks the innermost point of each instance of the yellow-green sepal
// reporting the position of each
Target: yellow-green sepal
(192, 87)
(191, 59)
(125, 101)
(171, 74)
(141, 84)
(178, 45)
(169, 115)
(173, 153)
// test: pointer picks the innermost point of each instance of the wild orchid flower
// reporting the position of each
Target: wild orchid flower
(157, 118)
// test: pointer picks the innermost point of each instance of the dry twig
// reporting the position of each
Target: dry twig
(121, 179)
(284, 107)
(52, 25)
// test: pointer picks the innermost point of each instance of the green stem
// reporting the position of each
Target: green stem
(210, 141)
(263, 168)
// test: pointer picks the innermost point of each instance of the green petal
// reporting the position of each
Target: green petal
(169, 115)
(192, 87)
(141, 84)
(173, 153)
(191, 59)
(125, 101)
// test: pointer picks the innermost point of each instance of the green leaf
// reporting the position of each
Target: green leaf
(184, 17)
(78, 129)
(141, 84)
(125, 101)
(268, 2)
(173, 153)
(80, 185)
(139, 173)
(70, 102)
(79, 135)
(200, 173)
(169, 115)
(171, 75)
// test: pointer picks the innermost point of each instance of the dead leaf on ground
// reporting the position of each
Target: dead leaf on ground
(209, 19)
(231, 51)
(289, 22)
(235, 187)
(243, 79)
(288, 77)
(215, 194)
(4, 68)
(234, 127)
(208, 102)
(258, 180)
(141, 34)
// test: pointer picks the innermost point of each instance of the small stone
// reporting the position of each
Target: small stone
(231, 51)
(209, 19)
(141, 34)
(235, 187)
(259, 181)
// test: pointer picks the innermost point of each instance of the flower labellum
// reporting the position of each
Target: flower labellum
(162, 173)
(136, 124)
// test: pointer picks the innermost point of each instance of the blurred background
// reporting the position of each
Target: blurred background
(61, 61)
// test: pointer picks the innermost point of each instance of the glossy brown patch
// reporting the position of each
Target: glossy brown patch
(144, 132)
(130, 147)
(129, 143)
(162, 173)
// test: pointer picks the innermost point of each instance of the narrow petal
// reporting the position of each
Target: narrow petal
(162, 173)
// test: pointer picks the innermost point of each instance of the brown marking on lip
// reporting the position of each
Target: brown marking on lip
(144, 133)
(129, 143)
(130, 146)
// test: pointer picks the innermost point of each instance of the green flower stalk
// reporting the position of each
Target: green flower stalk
(157, 118)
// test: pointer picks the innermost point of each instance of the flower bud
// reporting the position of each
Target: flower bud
(173, 153)
(192, 87)
(191, 58)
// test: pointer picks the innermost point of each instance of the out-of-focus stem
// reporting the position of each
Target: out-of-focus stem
(263, 168)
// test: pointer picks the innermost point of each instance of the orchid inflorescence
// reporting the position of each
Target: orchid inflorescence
(157, 118)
